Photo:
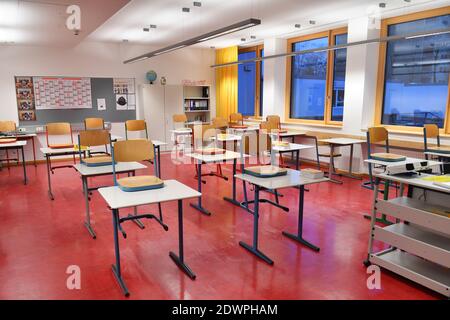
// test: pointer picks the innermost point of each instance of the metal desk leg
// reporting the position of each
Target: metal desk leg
(350, 166)
(136, 221)
(87, 222)
(254, 249)
(34, 151)
(179, 260)
(297, 160)
(50, 194)
(331, 169)
(159, 161)
(233, 199)
(199, 206)
(25, 180)
(116, 267)
(299, 236)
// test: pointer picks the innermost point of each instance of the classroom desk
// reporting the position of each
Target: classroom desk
(17, 145)
(48, 154)
(157, 145)
(437, 154)
(118, 199)
(293, 178)
(234, 138)
(292, 148)
(187, 132)
(26, 137)
(204, 159)
(383, 165)
(90, 172)
(342, 142)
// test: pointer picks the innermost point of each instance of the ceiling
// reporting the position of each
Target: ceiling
(278, 18)
(42, 22)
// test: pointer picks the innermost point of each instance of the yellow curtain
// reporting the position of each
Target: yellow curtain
(226, 82)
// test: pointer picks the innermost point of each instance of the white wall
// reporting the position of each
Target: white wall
(91, 59)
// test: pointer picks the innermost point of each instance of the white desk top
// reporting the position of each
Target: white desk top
(172, 190)
(229, 137)
(228, 155)
(400, 163)
(242, 130)
(342, 141)
(47, 150)
(158, 143)
(288, 134)
(438, 154)
(13, 144)
(415, 180)
(181, 130)
(104, 170)
(21, 135)
(292, 179)
(291, 147)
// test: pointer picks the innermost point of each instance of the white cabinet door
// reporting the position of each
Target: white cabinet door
(152, 97)
(173, 105)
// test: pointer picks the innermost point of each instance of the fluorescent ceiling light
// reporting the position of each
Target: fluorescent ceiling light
(205, 37)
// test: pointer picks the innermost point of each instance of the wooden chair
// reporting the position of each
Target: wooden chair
(94, 138)
(326, 153)
(94, 124)
(132, 151)
(431, 131)
(378, 135)
(56, 129)
(179, 121)
(135, 126)
(236, 119)
(207, 132)
(220, 123)
(9, 127)
(274, 119)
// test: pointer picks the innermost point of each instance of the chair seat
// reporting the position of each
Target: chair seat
(235, 126)
(327, 155)
(61, 146)
(7, 140)
(140, 183)
(441, 149)
(98, 161)
(389, 157)
(280, 143)
(266, 171)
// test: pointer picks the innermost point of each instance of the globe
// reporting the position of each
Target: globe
(151, 76)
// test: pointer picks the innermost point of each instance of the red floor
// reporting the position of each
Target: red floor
(40, 238)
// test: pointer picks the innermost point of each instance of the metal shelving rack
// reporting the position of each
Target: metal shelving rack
(420, 239)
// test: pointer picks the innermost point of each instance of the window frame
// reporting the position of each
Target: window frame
(379, 99)
(257, 49)
(331, 34)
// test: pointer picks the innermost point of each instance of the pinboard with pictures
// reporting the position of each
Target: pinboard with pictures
(124, 89)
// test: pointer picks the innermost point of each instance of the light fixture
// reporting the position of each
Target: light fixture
(243, 39)
(298, 25)
(253, 37)
(382, 5)
(197, 4)
(205, 37)
(340, 46)
(312, 22)
(187, 10)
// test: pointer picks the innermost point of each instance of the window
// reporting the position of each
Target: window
(250, 82)
(317, 79)
(414, 86)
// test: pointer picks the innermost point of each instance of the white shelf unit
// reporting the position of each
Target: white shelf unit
(420, 240)
(197, 102)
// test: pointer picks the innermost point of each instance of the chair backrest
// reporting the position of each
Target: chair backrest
(58, 128)
(7, 126)
(377, 135)
(94, 124)
(430, 131)
(179, 118)
(268, 126)
(275, 119)
(220, 123)
(135, 125)
(236, 118)
(93, 138)
(133, 150)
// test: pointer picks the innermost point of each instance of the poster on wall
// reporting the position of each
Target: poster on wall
(25, 98)
(62, 93)
(124, 88)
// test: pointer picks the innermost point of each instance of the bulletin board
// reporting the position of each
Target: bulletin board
(72, 99)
